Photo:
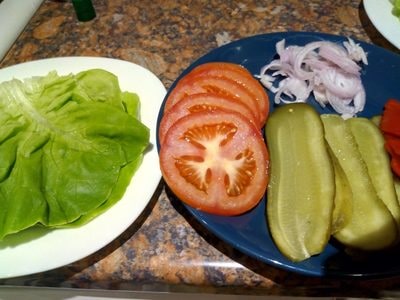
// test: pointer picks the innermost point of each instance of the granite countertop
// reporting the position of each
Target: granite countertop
(165, 249)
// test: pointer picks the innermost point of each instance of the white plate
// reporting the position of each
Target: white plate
(12, 26)
(37, 250)
(380, 14)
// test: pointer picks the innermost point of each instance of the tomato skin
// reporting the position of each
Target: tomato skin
(216, 162)
(240, 75)
(214, 85)
(202, 102)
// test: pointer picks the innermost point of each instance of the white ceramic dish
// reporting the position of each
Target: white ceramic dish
(380, 14)
(14, 15)
(36, 250)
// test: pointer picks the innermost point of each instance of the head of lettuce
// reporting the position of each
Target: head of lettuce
(69, 146)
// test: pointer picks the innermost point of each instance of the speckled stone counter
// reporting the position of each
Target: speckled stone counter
(165, 249)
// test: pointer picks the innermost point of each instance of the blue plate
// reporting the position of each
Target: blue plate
(249, 232)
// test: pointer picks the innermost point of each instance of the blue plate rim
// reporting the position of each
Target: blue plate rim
(202, 218)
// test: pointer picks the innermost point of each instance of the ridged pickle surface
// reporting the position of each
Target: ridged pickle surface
(302, 184)
(372, 226)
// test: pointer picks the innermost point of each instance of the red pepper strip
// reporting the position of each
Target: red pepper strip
(392, 144)
(390, 121)
(395, 165)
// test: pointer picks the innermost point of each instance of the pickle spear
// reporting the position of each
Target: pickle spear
(302, 183)
(371, 144)
(372, 226)
(397, 187)
(343, 206)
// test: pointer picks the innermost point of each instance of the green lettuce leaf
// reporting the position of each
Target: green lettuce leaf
(396, 7)
(69, 146)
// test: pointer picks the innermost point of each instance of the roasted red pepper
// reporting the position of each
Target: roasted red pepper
(390, 126)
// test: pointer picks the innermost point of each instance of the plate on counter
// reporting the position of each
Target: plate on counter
(249, 232)
(380, 14)
(37, 249)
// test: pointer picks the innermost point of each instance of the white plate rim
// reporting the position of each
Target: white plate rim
(20, 255)
(380, 14)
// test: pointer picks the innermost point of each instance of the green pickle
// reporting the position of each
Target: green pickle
(371, 145)
(397, 187)
(343, 207)
(353, 145)
(302, 182)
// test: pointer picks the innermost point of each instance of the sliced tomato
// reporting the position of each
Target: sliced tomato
(240, 75)
(202, 102)
(216, 162)
(215, 85)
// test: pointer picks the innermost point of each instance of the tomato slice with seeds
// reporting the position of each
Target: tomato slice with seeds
(202, 102)
(215, 161)
(240, 75)
(214, 85)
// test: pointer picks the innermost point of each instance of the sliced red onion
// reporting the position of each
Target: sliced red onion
(339, 57)
(293, 89)
(327, 70)
(319, 93)
(343, 85)
(301, 70)
(355, 51)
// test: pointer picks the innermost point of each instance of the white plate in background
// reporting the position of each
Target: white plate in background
(14, 15)
(380, 14)
(37, 250)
